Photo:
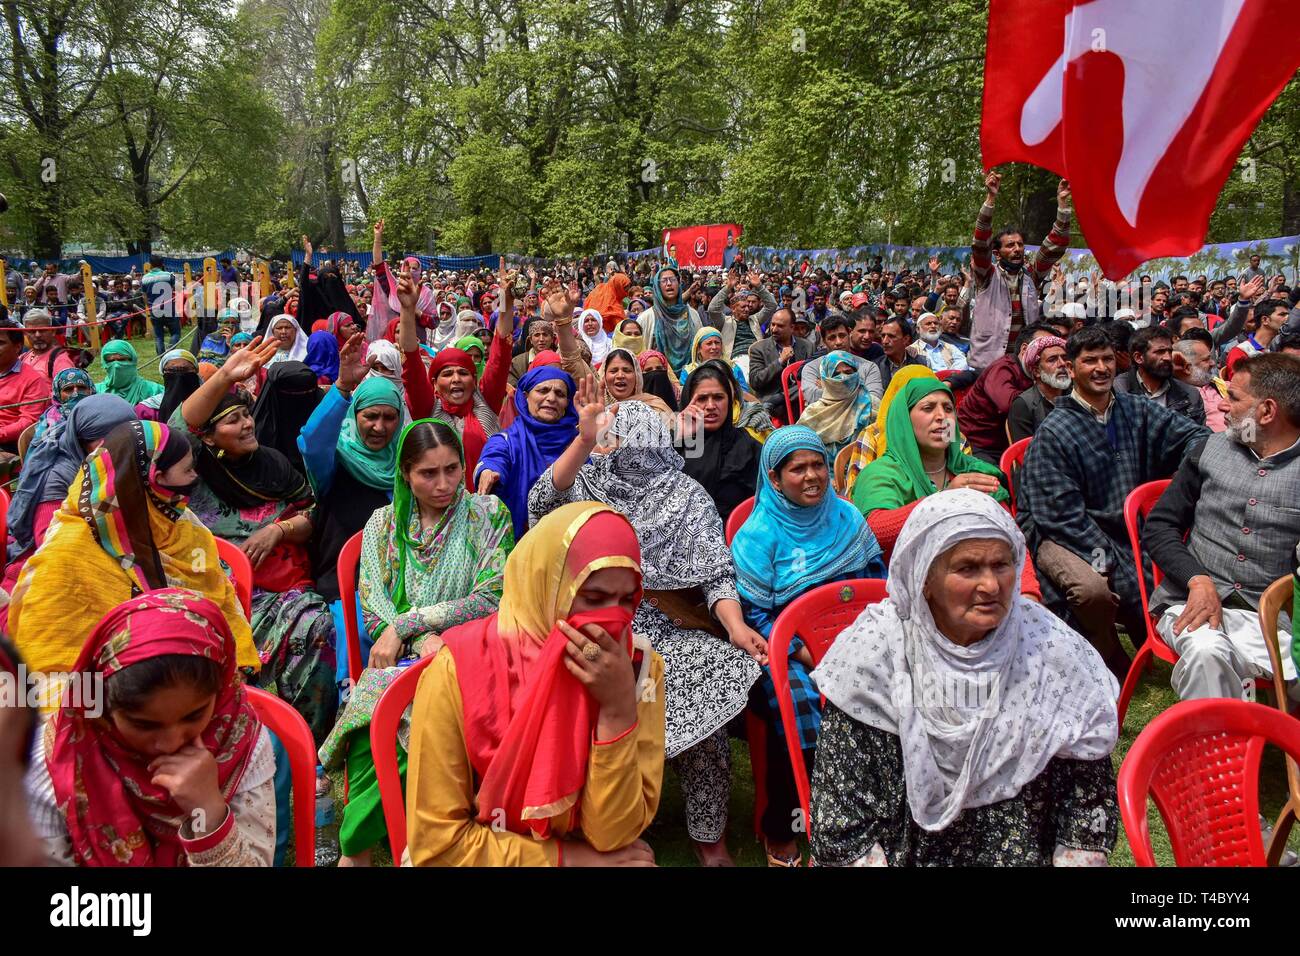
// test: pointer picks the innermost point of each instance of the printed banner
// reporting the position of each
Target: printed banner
(700, 247)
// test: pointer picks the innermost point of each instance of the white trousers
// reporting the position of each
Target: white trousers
(1217, 662)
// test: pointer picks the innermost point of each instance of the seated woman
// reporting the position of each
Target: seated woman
(708, 347)
(545, 422)
(870, 443)
(451, 389)
(289, 338)
(125, 528)
(722, 457)
(50, 469)
(349, 449)
(657, 378)
(216, 345)
(845, 406)
(121, 377)
(629, 337)
(591, 328)
(800, 535)
(253, 497)
(288, 396)
(67, 389)
(181, 377)
(178, 771)
(997, 752)
(323, 357)
(499, 779)
(691, 598)
(430, 560)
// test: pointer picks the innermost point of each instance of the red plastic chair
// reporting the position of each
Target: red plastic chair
(818, 616)
(241, 571)
(1012, 461)
(790, 378)
(1200, 761)
(383, 749)
(349, 558)
(738, 517)
(957, 393)
(295, 736)
(1136, 507)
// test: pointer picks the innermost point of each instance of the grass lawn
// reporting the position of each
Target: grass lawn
(668, 832)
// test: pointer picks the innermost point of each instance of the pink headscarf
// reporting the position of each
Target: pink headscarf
(1034, 352)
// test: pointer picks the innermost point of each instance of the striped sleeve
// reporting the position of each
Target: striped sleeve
(981, 252)
(1053, 247)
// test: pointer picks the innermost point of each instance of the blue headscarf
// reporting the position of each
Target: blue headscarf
(52, 462)
(526, 449)
(784, 549)
(323, 355)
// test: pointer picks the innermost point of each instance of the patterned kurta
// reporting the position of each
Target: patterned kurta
(859, 800)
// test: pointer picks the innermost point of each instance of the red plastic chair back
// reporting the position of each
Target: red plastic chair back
(1136, 507)
(738, 517)
(818, 617)
(1012, 461)
(349, 558)
(383, 749)
(295, 736)
(790, 380)
(241, 572)
(1200, 761)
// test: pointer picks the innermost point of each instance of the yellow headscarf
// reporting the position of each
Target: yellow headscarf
(73, 580)
(541, 580)
(700, 336)
(870, 443)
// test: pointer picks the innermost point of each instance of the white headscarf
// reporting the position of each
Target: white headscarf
(976, 723)
(298, 350)
(601, 342)
(391, 360)
(467, 323)
(443, 332)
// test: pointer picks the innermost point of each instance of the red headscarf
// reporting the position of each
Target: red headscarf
(545, 357)
(472, 434)
(116, 816)
(334, 323)
(529, 723)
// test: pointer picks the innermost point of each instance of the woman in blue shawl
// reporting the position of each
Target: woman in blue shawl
(545, 424)
(323, 357)
(800, 535)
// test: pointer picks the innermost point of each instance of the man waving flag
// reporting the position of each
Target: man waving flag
(1143, 105)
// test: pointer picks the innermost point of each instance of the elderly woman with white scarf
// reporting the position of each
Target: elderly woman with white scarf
(965, 725)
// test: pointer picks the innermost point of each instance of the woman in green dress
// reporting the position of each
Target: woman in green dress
(122, 377)
(432, 559)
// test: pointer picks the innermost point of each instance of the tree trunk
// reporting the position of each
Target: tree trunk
(1290, 207)
(333, 197)
(1038, 206)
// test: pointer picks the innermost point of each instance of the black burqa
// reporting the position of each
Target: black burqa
(285, 402)
(321, 296)
(727, 465)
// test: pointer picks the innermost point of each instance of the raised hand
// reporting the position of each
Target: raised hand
(244, 363)
(592, 415)
(407, 293)
(352, 366)
(993, 182)
(934, 263)
(573, 295)
(1063, 195)
(755, 280)
(379, 229)
(557, 301)
(1251, 289)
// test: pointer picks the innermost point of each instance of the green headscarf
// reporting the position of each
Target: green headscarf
(372, 468)
(402, 499)
(123, 378)
(898, 477)
(467, 342)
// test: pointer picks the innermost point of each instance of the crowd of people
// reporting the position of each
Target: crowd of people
(585, 496)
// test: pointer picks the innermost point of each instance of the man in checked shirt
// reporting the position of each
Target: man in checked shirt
(1009, 290)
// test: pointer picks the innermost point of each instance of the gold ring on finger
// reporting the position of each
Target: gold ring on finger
(591, 650)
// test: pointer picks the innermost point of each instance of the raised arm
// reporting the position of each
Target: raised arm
(980, 247)
(592, 418)
(419, 390)
(240, 365)
(1058, 239)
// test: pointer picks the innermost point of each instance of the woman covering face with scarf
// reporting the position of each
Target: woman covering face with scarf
(121, 377)
(691, 597)
(68, 388)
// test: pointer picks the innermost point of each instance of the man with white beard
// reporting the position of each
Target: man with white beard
(1234, 500)
(1047, 365)
(1194, 366)
(939, 355)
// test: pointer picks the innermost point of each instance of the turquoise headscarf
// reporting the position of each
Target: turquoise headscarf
(784, 549)
(402, 501)
(674, 331)
(373, 468)
(123, 378)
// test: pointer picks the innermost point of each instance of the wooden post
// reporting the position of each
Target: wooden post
(4, 283)
(184, 296)
(92, 314)
(209, 287)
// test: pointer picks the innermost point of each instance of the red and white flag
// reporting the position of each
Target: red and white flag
(1143, 105)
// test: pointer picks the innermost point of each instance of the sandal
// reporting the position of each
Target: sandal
(785, 862)
(720, 860)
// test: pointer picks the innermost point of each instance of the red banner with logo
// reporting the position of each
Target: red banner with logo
(700, 247)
